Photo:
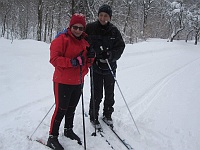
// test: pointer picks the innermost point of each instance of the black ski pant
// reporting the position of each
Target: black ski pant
(107, 83)
(66, 99)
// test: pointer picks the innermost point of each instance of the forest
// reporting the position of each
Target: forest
(136, 19)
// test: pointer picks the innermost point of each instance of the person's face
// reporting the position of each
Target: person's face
(77, 29)
(103, 18)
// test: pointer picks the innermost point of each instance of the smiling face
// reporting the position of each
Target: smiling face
(103, 18)
(77, 29)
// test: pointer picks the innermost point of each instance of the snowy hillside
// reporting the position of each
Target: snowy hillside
(160, 82)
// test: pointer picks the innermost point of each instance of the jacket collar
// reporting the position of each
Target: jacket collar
(103, 26)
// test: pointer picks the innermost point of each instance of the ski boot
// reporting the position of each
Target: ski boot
(54, 143)
(70, 134)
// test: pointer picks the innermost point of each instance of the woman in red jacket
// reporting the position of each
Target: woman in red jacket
(68, 53)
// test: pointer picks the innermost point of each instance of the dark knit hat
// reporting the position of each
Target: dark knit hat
(77, 18)
(105, 8)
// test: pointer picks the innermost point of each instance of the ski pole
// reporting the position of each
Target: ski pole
(122, 94)
(30, 137)
(92, 96)
(82, 101)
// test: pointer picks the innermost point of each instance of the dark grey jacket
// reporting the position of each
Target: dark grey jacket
(109, 38)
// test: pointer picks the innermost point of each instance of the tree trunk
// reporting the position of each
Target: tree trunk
(196, 36)
(39, 26)
(82, 6)
(4, 26)
(73, 7)
(188, 35)
(52, 24)
(45, 25)
(59, 28)
(127, 16)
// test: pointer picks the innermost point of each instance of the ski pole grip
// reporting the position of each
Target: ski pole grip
(79, 60)
(101, 47)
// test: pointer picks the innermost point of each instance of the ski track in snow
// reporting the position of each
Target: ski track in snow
(141, 103)
(144, 100)
(25, 106)
(150, 94)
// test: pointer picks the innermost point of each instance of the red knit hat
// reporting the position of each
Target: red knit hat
(77, 18)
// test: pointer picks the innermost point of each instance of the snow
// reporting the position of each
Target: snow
(175, 4)
(160, 82)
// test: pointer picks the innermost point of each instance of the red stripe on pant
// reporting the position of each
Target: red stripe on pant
(57, 106)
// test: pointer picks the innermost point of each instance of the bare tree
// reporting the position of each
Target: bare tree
(136, 19)
(39, 25)
(147, 6)
(193, 18)
(176, 18)
(128, 14)
(73, 6)
(5, 7)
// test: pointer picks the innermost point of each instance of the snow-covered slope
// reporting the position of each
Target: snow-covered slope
(159, 80)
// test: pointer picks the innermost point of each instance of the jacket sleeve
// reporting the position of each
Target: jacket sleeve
(118, 46)
(57, 53)
(90, 61)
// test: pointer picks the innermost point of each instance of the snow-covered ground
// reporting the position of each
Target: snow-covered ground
(159, 80)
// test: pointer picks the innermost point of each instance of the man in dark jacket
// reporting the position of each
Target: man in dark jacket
(108, 44)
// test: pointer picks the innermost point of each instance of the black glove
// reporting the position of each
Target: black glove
(90, 52)
(106, 55)
(77, 61)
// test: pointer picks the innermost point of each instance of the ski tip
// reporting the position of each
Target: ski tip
(41, 141)
(111, 126)
(93, 134)
(79, 142)
(99, 130)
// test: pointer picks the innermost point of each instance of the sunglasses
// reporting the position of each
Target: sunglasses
(76, 28)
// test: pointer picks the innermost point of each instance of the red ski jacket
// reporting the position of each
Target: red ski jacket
(62, 50)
